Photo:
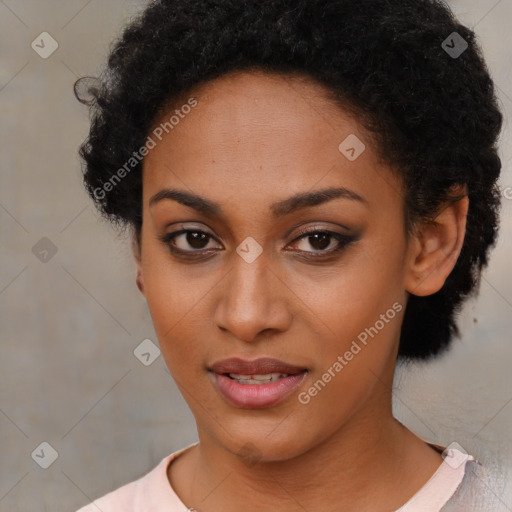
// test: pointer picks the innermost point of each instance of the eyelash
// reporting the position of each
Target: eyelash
(343, 242)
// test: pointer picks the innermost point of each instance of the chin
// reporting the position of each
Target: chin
(253, 449)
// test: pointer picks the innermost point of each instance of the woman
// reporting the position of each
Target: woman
(311, 192)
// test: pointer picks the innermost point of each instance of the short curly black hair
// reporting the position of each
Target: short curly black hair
(396, 64)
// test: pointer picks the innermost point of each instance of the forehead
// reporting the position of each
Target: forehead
(267, 133)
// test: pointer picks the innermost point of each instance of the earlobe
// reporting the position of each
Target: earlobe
(140, 282)
(435, 248)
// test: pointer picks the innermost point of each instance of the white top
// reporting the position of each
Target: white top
(153, 492)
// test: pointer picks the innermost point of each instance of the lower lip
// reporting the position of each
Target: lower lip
(256, 396)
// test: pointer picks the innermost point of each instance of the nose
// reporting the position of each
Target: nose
(253, 301)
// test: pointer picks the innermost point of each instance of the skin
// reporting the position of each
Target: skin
(254, 139)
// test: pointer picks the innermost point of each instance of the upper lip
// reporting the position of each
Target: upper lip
(260, 366)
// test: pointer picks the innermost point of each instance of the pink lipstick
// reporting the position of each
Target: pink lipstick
(255, 384)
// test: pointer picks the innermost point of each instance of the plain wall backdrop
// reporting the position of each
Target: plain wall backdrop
(71, 315)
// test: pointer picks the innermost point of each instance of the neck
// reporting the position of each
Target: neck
(355, 468)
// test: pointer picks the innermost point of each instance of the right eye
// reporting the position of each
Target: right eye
(187, 238)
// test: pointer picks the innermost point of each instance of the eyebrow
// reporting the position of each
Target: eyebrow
(279, 209)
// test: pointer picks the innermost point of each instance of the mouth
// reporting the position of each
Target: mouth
(257, 379)
(255, 384)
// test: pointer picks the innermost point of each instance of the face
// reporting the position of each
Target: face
(264, 239)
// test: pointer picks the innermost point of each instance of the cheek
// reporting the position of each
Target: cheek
(363, 311)
(350, 298)
(174, 301)
(360, 306)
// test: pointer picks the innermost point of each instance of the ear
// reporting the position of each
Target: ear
(435, 247)
(136, 251)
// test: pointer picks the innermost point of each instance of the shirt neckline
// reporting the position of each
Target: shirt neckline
(434, 494)
(442, 485)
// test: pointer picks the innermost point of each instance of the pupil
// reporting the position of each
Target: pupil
(196, 239)
(322, 238)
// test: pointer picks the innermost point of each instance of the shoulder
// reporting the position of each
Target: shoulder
(137, 495)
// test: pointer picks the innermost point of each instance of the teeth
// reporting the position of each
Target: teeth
(257, 379)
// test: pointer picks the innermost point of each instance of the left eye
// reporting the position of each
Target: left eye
(321, 240)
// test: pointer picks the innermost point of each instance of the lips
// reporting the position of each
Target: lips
(255, 384)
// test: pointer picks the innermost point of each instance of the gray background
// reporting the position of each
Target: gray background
(68, 327)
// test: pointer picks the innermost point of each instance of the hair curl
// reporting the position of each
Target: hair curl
(435, 117)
